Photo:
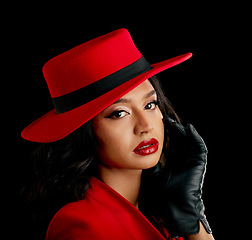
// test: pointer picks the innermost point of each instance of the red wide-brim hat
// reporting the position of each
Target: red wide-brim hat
(88, 78)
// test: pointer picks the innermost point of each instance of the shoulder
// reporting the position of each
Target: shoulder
(98, 216)
(102, 215)
(77, 220)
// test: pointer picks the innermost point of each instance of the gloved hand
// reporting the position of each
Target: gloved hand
(180, 181)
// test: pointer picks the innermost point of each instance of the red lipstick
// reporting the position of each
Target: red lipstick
(147, 147)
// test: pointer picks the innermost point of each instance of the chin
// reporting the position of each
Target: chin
(150, 165)
(149, 161)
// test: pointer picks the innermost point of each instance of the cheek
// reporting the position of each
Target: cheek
(111, 144)
(159, 125)
(161, 135)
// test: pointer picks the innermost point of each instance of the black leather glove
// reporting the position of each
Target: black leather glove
(180, 181)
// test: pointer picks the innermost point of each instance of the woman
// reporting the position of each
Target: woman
(119, 164)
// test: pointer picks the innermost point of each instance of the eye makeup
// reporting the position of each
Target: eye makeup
(117, 114)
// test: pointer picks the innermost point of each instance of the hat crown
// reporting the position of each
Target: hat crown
(90, 62)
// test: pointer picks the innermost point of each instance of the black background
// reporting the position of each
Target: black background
(208, 91)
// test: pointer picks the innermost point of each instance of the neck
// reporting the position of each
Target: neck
(125, 181)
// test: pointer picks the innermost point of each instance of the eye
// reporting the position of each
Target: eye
(151, 105)
(118, 114)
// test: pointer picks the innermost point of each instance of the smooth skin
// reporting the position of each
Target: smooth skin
(119, 129)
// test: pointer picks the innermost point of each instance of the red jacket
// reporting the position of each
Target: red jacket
(103, 215)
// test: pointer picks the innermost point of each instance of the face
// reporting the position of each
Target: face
(130, 132)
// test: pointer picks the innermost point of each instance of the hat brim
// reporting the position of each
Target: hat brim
(52, 126)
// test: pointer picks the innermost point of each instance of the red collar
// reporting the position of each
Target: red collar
(127, 214)
(103, 215)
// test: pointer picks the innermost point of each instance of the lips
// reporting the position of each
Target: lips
(147, 147)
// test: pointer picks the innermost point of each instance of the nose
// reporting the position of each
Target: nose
(143, 123)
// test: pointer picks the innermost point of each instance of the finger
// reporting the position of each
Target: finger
(172, 124)
(196, 138)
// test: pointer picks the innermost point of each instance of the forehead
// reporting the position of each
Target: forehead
(140, 91)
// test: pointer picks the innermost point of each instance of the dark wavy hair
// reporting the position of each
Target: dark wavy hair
(63, 169)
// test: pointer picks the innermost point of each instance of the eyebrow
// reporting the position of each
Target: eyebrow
(125, 100)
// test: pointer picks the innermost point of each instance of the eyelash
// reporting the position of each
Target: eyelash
(156, 103)
(115, 114)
